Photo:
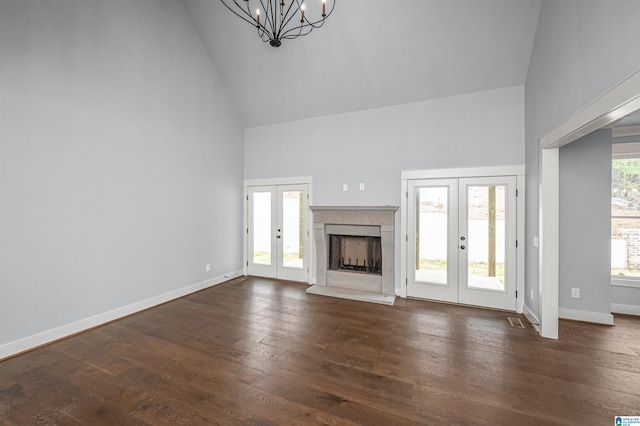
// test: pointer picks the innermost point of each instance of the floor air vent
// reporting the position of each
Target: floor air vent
(237, 280)
(515, 322)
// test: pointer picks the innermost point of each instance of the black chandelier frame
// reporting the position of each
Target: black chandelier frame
(277, 24)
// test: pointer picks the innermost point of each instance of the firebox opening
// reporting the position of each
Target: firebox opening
(355, 254)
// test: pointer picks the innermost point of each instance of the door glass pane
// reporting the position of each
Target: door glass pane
(292, 229)
(486, 241)
(432, 224)
(262, 228)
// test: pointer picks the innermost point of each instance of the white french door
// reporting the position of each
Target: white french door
(277, 232)
(462, 234)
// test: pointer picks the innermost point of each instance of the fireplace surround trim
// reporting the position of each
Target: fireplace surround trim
(347, 216)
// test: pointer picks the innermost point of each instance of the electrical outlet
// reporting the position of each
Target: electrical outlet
(531, 295)
(575, 293)
(536, 242)
(361, 186)
(345, 187)
(207, 267)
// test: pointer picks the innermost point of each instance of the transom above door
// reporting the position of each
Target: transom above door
(461, 241)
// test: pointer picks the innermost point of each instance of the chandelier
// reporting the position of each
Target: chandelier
(277, 20)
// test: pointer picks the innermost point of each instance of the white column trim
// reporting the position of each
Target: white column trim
(402, 290)
(520, 236)
(549, 241)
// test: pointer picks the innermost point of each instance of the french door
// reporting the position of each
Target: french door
(462, 234)
(277, 232)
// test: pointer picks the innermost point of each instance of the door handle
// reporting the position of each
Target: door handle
(462, 247)
(277, 236)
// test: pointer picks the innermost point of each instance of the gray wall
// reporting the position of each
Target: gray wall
(582, 48)
(120, 161)
(625, 295)
(374, 146)
(585, 218)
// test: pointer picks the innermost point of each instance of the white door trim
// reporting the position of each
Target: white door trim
(463, 173)
(308, 180)
(279, 181)
(622, 99)
(515, 170)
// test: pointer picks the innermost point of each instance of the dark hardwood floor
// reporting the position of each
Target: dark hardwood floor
(262, 351)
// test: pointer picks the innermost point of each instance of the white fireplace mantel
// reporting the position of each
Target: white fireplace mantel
(347, 217)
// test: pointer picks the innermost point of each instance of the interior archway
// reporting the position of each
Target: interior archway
(616, 103)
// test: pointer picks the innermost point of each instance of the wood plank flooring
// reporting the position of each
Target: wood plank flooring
(264, 352)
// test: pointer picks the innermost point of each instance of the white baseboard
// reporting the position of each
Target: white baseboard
(531, 317)
(586, 316)
(49, 336)
(618, 308)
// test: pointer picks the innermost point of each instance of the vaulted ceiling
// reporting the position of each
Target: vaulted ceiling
(370, 54)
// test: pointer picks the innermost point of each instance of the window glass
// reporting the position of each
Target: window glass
(625, 217)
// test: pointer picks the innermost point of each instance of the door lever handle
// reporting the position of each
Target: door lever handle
(462, 247)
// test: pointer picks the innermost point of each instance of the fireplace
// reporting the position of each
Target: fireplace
(355, 252)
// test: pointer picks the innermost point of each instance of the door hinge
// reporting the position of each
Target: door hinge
(516, 294)
(407, 238)
(247, 263)
(247, 198)
(516, 243)
(406, 194)
(247, 230)
(406, 281)
(516, 192)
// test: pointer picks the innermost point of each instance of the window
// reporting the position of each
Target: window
(625, 215)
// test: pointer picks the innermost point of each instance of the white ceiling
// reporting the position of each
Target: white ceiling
(370, 54)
